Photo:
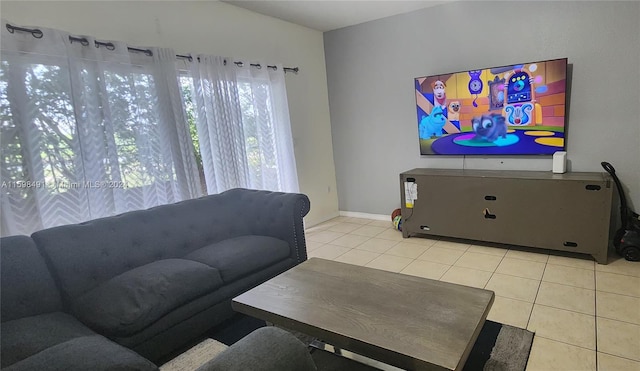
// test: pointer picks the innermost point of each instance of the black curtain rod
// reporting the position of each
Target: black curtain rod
(37, 33)
(107, 45)
(241, 64)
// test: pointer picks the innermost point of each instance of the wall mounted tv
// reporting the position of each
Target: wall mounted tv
(509, 110)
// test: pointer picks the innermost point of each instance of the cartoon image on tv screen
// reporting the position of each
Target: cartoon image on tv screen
(511, 110)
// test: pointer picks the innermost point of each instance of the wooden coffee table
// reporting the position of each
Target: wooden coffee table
(405, 321)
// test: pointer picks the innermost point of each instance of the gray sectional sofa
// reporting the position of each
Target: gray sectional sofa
(141, 284)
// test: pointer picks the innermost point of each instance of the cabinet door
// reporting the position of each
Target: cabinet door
(552, 214)
(444, 208)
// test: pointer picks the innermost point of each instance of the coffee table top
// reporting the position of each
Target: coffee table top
(406, 321)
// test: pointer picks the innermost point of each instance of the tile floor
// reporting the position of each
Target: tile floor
(586, 316)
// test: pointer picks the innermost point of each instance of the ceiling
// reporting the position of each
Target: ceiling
(332, 14)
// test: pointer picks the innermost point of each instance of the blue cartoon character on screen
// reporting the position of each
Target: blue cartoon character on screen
(489, 127)
(432, 124)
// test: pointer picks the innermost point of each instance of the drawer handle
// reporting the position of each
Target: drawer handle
(592, 187)
(490, 198)
(488, 215)
(570, 244)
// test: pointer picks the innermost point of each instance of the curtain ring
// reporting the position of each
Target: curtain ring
(37, 33)
(82, 40)
(107, 45)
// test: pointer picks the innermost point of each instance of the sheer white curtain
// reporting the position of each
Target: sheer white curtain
(242, 118)
(88, 131)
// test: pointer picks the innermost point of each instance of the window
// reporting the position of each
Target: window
(92, 132)
(83, 139)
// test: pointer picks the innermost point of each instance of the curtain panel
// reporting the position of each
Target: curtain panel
(88, 131)
(243, 125)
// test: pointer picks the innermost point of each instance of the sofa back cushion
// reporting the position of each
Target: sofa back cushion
(87, 254)
(27, 286)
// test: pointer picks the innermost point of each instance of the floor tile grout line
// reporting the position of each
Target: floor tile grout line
(520, 300)
(399, 272)
(480, 252)
(342, 255)
(529, 260)
(331, 239)
(539, 285)
(448, 269)
(563, 342)
(617, 293)
(384, 252)
(535, 279)
(524, 278)
(618, 320)
(567, 310)
(618, 274)
(346, 234)
(473, 252)
(564, 284)
(447, 248)
(569, 266)
(511, 257)
(537, 292)
(366, 235)
(494, 272)
(489, 280)
(619, 356)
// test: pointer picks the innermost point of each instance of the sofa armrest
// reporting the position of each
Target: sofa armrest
(274, 214)
(265, 349)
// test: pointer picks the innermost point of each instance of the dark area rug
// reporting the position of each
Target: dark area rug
(499, 347)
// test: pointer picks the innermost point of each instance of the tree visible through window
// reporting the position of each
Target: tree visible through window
(82, 142)
(84, 138)
(186, 85)
(261, 163)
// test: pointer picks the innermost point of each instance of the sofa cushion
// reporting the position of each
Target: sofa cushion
(240, 256)
(88, 254)
(195, 318)
(265, 349)
(27, 286)
(95, 353)
(27, 336)
(135, 299)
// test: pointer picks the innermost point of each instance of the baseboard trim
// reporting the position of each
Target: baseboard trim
(355, 214)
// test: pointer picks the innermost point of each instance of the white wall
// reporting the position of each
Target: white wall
(217, 28)
(371, 67)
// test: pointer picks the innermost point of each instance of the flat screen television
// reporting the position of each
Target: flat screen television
(509, 110)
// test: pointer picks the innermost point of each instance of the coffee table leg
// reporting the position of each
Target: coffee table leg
(319, 344)
(315, 343)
